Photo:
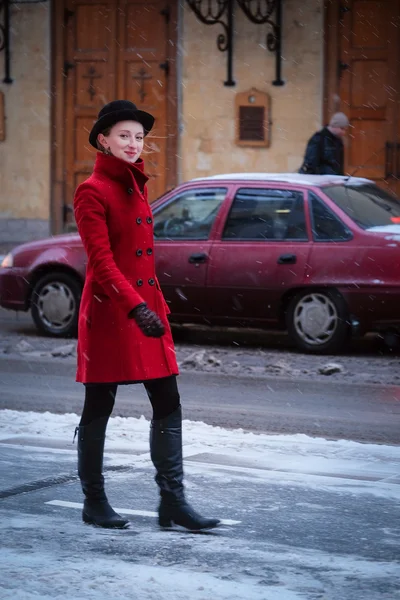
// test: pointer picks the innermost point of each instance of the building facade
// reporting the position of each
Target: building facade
(236, 85)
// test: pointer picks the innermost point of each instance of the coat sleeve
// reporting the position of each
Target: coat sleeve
(312, 156)
(90, 216)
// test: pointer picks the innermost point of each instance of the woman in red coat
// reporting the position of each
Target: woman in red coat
(124, 336)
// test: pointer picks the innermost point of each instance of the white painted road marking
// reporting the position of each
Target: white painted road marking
(126, 511)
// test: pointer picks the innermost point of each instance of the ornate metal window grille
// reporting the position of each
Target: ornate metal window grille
(5, 32)
(5, 38)
(260, 12)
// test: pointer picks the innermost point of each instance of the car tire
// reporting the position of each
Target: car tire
(55, 304)
(318, 321)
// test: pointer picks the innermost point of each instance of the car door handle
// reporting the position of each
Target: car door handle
(198, 257)
(287, 259)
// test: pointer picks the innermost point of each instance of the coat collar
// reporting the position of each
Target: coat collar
(331, 135)
(120, 170)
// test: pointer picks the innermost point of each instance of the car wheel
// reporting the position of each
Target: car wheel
(55, 304)
(317, 321)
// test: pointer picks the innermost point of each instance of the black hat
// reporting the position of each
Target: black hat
(116, 111)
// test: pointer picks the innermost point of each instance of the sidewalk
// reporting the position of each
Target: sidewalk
(303, 518)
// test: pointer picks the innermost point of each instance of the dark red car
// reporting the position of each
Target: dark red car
(316, 255)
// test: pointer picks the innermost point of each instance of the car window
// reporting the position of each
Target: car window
(266, 214)
(190, 215)
(325, 225)
(368, 205)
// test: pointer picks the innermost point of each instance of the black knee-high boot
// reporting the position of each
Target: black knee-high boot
(166, 454)
(96, 509)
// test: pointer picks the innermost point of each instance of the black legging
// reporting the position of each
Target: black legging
(99, 399)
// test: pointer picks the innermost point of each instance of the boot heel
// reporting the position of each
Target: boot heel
(86, 518)
(165, 522)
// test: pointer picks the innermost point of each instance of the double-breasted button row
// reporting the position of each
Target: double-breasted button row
(149, 252)
(130, 190)
(149, 220)
(151, 281)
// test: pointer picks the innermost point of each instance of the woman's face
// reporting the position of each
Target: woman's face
(125, 140)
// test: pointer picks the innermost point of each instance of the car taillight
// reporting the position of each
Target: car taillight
(7, 261)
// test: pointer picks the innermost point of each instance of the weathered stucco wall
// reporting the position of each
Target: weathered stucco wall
(207, 125)
(208, 107)
(25, 153)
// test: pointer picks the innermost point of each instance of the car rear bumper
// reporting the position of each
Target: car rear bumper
(14, 289)
(375, 309)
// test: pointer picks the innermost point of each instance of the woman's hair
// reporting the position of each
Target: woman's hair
(100, 147)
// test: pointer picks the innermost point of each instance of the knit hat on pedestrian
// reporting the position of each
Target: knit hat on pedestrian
(339, 120)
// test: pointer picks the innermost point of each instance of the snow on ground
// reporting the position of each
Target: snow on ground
(46, 569)
(232, 352)
(125, 431)
(109, 578)
(285, 458)
(116, 579)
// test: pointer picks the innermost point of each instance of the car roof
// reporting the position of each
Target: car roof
(292, 178)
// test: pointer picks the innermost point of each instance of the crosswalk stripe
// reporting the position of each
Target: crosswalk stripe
(126, 511)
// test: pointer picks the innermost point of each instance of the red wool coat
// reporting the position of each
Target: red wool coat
(116, 226)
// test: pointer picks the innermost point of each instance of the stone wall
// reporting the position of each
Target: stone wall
(208, 137)
(25, 153)
(206, 112)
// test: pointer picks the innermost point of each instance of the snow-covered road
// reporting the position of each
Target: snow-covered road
(304, 518)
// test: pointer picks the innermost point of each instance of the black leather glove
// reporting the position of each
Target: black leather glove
(149, 323)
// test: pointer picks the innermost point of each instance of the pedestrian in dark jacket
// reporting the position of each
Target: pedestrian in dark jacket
(124, 335)
(325, 151)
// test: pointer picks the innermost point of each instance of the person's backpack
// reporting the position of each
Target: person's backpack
(308, 169)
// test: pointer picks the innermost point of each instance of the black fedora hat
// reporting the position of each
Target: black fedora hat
(116, 111)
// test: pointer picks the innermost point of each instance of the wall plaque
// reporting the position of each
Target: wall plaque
(252, 118)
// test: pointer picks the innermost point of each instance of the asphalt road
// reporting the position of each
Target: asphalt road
(21, 324)
(291, 535)
(303, 520)
(330, 410)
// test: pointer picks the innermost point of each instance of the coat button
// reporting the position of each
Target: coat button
(138, 220)
(149, 251)
(139, 282)
(130, 190)
(149, 220)
(139, 252)
(151, 282)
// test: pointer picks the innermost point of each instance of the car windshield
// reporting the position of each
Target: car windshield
(369, 206)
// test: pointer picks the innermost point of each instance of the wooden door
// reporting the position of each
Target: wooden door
(363, 81)
(143, 66)
(112, 49)
(89, 70)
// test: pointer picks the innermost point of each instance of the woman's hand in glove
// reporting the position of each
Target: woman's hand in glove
(148, 321)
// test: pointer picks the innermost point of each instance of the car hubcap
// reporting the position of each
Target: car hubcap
(56, 305)
(315, 319)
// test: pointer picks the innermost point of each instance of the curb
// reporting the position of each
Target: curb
(314, 379)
